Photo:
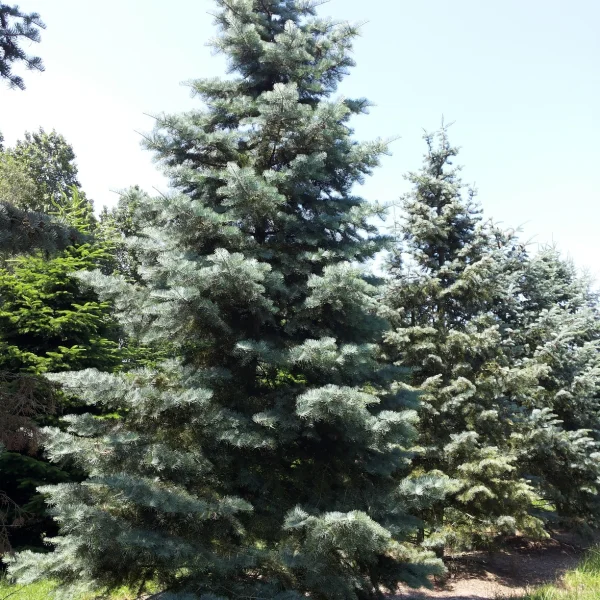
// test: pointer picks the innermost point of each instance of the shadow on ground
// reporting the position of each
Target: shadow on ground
(512, 572)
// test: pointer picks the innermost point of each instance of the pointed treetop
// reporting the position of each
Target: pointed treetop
(282, 41)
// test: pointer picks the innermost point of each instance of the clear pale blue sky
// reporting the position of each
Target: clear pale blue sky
(520, 78)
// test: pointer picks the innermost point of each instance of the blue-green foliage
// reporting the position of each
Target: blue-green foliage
(504, 350)
(556, 327)
(268, 457)
(449, 278)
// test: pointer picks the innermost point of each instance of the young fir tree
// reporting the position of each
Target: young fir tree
(49, 322)
(448, 276)
(267, 457)
(556, 325)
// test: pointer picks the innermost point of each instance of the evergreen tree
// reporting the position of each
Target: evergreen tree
(448, 278)
(23, 399)
(49, 321)
(267, 457)
(119, 223)
(16, 28)
(23, 231)
(556, 326)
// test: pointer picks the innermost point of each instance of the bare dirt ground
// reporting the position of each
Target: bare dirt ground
(511, 572)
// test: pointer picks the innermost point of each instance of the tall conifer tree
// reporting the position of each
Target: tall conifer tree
(267, 458)
(448, 277)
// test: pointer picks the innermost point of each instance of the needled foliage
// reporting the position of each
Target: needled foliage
(49, 321)
(555, 326)
(18, 29)
(448, 278)
(268, 457)
(23, 231)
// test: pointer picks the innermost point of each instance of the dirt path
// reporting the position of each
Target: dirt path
(488, 576)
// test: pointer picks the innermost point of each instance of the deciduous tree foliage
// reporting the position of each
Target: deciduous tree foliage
(268, 457)
(39, 173)
(38, 180)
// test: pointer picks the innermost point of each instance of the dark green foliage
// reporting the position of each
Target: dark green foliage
(16, 29)
(23, 400)
(49, 321)
(268, 457)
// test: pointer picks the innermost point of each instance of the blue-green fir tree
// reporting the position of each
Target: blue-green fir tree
(554, 326)
(268, 456)
(26, 231)
(448, 277)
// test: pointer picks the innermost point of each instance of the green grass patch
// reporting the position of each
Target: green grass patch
(583, 583)
(42, 591)
(36, 591)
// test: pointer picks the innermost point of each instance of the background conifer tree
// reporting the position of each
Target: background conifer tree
(49, 321)
(267, 458)
(119, 223)
(448, 277)
(555, 326)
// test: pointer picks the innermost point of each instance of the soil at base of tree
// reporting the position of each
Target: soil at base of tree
(518, 568)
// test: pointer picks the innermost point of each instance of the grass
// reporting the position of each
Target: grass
(41, 591)
(37, 591)
(583, 583)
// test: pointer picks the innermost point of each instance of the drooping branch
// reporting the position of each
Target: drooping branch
(24, 231)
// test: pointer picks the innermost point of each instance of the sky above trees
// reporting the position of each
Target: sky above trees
(520, 80)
